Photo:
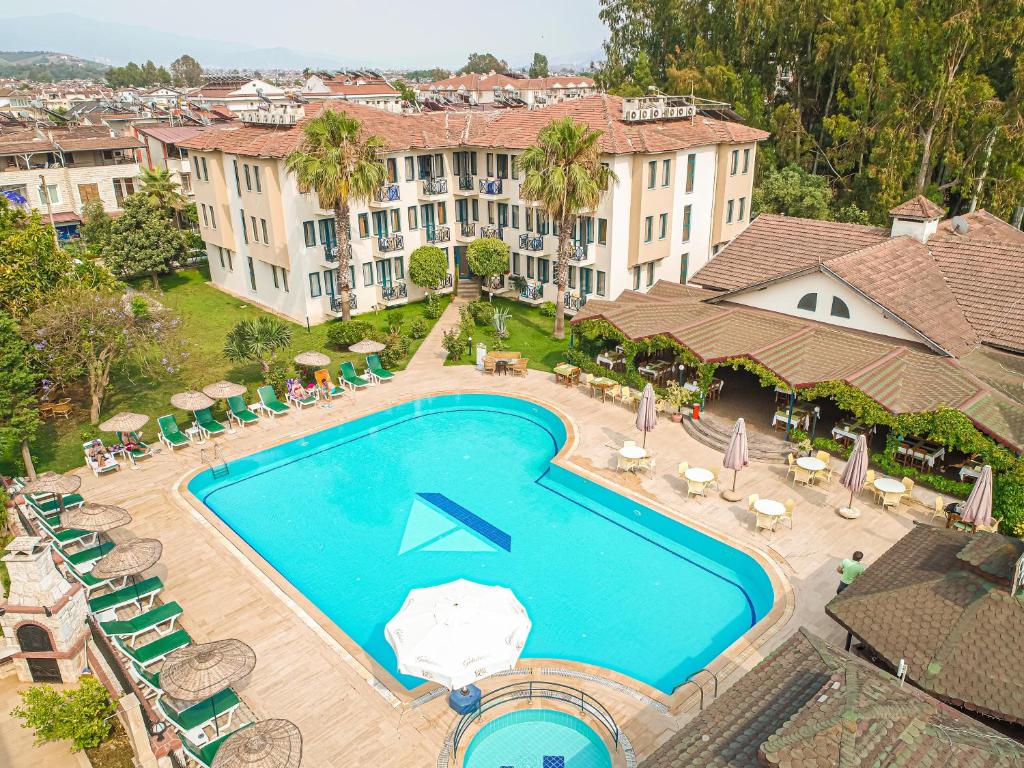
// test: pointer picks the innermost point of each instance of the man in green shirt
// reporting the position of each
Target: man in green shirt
(849, 570)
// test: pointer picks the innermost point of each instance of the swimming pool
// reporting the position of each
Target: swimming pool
(537, 738)
(463, 486)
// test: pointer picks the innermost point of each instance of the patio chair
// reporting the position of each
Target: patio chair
(622, 464)
(909, 485)
(98, 458)
(90, 582)
(269, 400)
(788, 515)
(647, 464)
(192, 720)
(47, 503)
(790, 464)
(150, 621)
(49, 527)
(134, 438)
(170, 434)
(154, 651)
(203, 754)
(62, 408)
(585, 380)
(134, 594)
(869, 482)
(715, 471)
(803, 476)
(377, 371)
(939, 510)
(328, 387)
(348, 375)
(520, 367)
(694, 488)
(83, 559)
(681, 469)
(149, 681)
(490, 365)
(206, 422)
(239, 411)
(298, 394)
(824, 456)
(891, 500)
(751, 501)
(764, 522)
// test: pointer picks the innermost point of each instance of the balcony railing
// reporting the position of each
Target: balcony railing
(336, 302)
(438, 186)
(331, 251)
(532, 291)
(448, 282)
(490, 186)
(531, 242)
(390, 243)
(573, 302)
(496, 283)
(579, 252)
(466, 183)
(439, 235)
(387, 194)
(394, 291)
(489, 230)
(467, 228)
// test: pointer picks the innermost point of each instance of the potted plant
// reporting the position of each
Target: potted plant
(679, 397)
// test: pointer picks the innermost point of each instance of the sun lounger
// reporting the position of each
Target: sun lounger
(128, 438)
(63, 536)
(144, 591)
(205, 421)
(152, 619)
(170, 435)
(101, 462)
(47, 504)
(270, 402)
(240, 412)
(90, 582)
(347, 372)
(204, 754)
(149, 681)
(377, 371)
(191, 721)
(156, 650)
(302, 400)
(84, 559)
(328, 387)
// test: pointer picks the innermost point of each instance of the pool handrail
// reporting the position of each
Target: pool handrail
(542, 689)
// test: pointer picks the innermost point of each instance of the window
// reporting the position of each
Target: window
(728, 211)
(648, 229)
(392, 167)
(572, 277)
(502, 214)
(662, 226)
(245, 232)
(650, 274)
(529, 265)
(839, 308)
(542, 270)
(601, 283)
(502, 166)
(363, 222)
(515, 263)
(490, 211)
(238, 183)
(328, 232)
(515, 166)
(123, 187)
(743, 209)
(636, 278)
(314, 285)
(808, 302)
(206, 220)
(309, 233)
(330, 281)
(490, 164)
(442, 213)
(186, 182)
(652, 174)
(691, 171)
(284, 278)
(687, 216)
(396, 220)
(602, 231)
(666, 172)
(263, 227)
(461, 210)
(368, 274)
(231, 266)
(734, 162)
(410, 168)
(220, 252)
(515, 217)
(475, 207)
(529, 219)
(684, 268)
(252, 274)
(206, 173)
(256, 178)
(213, 218)
(248, 179)
(255, 231)
(399, 268)
(412, 218)
(746, 160)
(380, 223)
(273, 273)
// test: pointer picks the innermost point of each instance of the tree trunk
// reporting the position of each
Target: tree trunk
(990, 140)
(926, 160)
(94, 405)
(1018, 216)
(562, 274)
(26, 457)
(341, 216)
(156, 280)
(824, 115)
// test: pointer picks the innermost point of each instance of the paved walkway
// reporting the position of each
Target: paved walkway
(303, 674)
(16, 743)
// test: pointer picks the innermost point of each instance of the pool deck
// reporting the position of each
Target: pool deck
(302, 671)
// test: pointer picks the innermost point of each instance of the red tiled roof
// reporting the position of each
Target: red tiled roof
(172, 134)
(918, 208)
(86, 143)
(487, 82)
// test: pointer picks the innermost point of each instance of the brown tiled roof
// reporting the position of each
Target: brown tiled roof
(901, 376)
(927, 602)
(81, 144)
(809, 705)
(23, 145)
(171, 134)
(918, 208)
(513, 129)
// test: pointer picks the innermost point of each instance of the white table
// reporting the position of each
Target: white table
(770, 507)
(889, 485)
(632, 452)
(799, 420)
(691, 387)
(699, 475)
(969, 472)
(811, 464)
(195, 435)
(917, 452)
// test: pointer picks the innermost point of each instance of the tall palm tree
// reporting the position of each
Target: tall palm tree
(563, 172)
(342, 165)
(161, 191)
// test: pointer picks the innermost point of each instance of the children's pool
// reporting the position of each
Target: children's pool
(462, 486)
(537, 738)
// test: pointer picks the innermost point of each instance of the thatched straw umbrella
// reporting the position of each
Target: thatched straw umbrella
(366, 347)
(52, 483)
(267, 744)
(129, 559)
(191, 401)
(198, 672)
(95, 517)
(125, 422)
(222, 390)
(312, 359)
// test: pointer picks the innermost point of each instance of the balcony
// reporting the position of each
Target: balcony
(437, 235)
(492, 187)
(432, 187)
(394, 293)
(529, 242)
(390, 243)
(573, 302)
(581, 252)
(336, 302)
(532, 293)
(389, 193)
(446, 285)
(466, 230)
(489, 230)
(466, 185)
(331, 252)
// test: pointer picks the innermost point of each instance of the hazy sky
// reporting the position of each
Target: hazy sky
(445, 30)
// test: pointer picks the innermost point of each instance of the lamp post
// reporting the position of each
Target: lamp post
(814, 423)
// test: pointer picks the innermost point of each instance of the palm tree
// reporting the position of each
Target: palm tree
(161, 191)
(257, 341)
(342, 165)
(563, 172)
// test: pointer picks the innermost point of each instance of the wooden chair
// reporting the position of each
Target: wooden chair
(751, 501)
(490, 365)
(519, 366)
(46, 410)
(613, 393)
(788, 516)
(63, 408)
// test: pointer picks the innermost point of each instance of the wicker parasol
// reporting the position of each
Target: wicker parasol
(366, 347)
(312, 359)
(52, 483)
(129, 559)
(191, 401)
(197, 672)
(125, 422)
(267, 744)
(222, 390)
(95, 517)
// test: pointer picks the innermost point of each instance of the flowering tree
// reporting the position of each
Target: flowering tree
(88, 333)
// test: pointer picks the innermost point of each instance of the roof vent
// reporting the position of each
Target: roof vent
(960, 225)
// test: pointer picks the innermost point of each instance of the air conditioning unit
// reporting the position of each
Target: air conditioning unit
(119, 154)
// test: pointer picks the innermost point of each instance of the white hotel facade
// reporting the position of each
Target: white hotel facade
(682, 192)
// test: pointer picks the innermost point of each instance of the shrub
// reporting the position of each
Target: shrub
(1008, 502)
(428, 266)
(432, 307)
(832, 446)
(81, 715)
(277, 376)
(344, 333)
(454, 344)
(395, 351)
(418, 328)
(481, 311)
(943, 485)
(547, 309)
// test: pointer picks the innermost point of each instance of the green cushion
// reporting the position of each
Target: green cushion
(207, 752)
(65, 536)
(156, 649)
(88, 555)
(201, 711)
(205, 420)
(153, 678)
(143, 621)
(126, 595)
(52, 505)
(348, 373)
(373, 363)
(169, 429)
(269, 399)
(240, 409)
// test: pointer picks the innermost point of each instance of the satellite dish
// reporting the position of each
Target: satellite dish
(960, 225)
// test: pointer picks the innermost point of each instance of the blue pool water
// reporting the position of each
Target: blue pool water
(462, 486)
(536, 738)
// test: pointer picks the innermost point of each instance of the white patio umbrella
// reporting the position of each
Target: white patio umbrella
(457, 633)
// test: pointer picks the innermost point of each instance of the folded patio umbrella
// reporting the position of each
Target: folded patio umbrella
(366, 347)
(312, 359)
(191, 401)
(95, 517)
(125, 422)
(56, 484)
(129, 559)
(977, 510)
(267, 744)
(735, 457)
(856, 470)
(198, 672)
(222, 390)
(646, 412)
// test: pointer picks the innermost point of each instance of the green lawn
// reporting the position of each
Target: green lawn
(529, 333)
(207, 315)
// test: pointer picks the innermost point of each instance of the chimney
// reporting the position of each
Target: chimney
(918, 218)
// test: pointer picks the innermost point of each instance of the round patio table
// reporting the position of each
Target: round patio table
(811, 464)
(699, 475)
(770, 507)
(889, 485)
(632, 452)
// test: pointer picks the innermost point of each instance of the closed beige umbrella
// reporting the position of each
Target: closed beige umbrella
(129, 559)
(191, 401)
(222, 390)
(267, 744)
(312, 359)
(125, 422)
(198, 672)
(95, 517)
(366, 347)
(52, 483)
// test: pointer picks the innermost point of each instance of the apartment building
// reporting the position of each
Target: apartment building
(367, 88)
(162, 149)
(59, 170)
(504, 90)
(237, 94)
(453, 177)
